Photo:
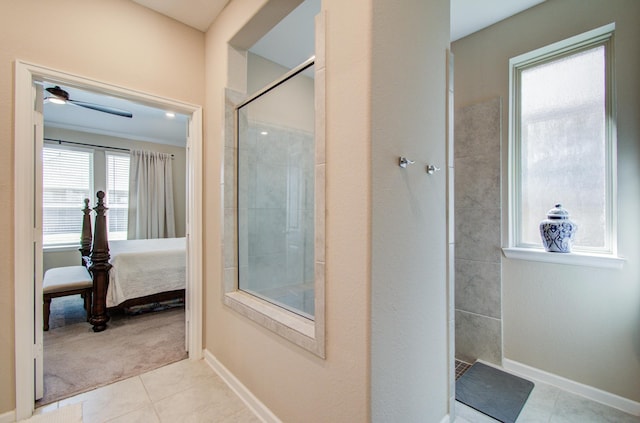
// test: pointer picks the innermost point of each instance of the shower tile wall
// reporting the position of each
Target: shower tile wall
(478, 288)
(296, 285)
(229, 239)
(277, 187)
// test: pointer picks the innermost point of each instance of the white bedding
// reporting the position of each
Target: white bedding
(144, 267)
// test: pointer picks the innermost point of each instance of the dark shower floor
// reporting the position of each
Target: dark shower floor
(461, 367)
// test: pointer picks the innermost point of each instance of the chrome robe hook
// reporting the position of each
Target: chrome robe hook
(403, 162)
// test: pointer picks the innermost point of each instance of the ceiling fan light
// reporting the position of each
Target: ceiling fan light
(57, 100)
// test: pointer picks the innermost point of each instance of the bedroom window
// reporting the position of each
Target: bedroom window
(117, 165)
(67, 181)
(562, 141)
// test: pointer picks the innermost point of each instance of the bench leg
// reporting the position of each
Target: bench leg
(46, 310)
(87, 302)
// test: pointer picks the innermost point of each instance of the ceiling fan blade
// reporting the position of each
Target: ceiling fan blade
(105, 109)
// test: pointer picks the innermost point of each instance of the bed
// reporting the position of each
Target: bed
(132, 272)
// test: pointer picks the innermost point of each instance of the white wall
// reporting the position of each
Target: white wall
(146, 52)
(581, 323)
(409, 350)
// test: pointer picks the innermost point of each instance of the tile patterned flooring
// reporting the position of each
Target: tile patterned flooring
(548, 404)
(190, 391)
(186, 391)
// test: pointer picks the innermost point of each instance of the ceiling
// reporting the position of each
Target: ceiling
(147, 124)
(151, 124)
(467, 16)
(197, 14)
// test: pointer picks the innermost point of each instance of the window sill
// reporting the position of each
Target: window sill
(575, 259)
(291, 326)
(60, 248)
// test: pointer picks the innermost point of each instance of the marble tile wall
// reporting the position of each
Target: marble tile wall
(276, 205)
(478, 288)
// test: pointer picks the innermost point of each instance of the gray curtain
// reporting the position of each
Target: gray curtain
(151, 213)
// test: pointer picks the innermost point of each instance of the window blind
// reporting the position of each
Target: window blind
(67, 181)
(117, 194)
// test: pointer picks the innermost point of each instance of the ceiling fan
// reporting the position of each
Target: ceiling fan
(60, 96)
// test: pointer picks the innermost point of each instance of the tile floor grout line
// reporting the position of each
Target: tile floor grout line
(146, 389)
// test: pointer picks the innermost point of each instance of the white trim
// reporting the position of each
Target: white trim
(445, 419)
(575, 259)
(23, 244)
(194, 231)
(25, 75)
(595, 394)
(8, 417)
(569, 43)
(259, 409)
(60, 248)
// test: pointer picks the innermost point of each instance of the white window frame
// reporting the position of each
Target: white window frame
(607, 257)
(108, 153)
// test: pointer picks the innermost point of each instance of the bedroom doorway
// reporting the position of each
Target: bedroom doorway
(28, 235)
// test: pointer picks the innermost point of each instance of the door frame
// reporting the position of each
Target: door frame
(26, 75)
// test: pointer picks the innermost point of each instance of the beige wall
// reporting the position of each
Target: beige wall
(577, 322)
(281, 107)
(411, 337)
(295, 384)
(157, 55)
(72, 258)
(144, 51)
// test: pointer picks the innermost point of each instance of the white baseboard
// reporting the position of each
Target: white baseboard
(259, 409)
(445, 419)
(595, 394)
(8, 417)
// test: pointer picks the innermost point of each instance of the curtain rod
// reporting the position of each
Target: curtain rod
(90, 145)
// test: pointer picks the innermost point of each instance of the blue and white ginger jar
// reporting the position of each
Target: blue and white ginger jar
(557, 230)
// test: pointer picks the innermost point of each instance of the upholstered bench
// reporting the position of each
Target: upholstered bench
(63, 281)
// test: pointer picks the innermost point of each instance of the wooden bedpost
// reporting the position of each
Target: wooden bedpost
(100, 268)
(86, 238)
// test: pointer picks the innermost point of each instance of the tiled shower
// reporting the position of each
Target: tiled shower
(276, 182)
(478, 287)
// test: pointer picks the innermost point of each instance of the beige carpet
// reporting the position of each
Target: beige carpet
(76, 359)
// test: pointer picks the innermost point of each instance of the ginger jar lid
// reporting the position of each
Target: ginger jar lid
(558, 212)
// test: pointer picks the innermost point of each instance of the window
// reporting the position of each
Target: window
(117, 165)
(67, 181)
(71, 174)
(562, 140)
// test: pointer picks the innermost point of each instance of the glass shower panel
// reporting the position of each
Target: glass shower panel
(276, 166)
